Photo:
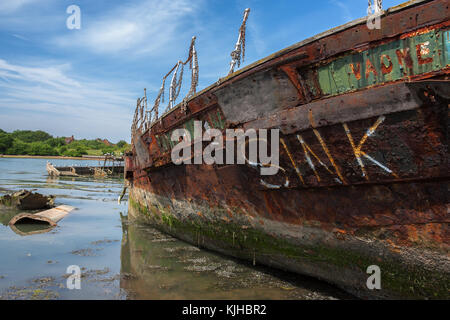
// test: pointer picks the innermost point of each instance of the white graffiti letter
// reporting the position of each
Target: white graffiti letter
(359, 153)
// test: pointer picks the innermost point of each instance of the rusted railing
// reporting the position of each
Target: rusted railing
(143, 117)
(239, 48)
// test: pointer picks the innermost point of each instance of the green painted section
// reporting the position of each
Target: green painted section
(169, 139)
(189, 126)
(217, 120)
(165, 142)
(382, 64)
(446, 44)
(158, 140)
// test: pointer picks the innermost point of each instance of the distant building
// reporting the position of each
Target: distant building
(68, 140)
(104, 141)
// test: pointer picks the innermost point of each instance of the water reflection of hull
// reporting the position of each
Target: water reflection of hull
(363, 119)
(150, 268)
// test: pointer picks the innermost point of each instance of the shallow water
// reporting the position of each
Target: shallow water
(120, 259)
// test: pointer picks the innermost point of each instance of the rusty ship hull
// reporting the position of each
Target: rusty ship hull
(363, 120)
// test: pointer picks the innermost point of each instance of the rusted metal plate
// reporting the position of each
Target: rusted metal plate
(141, 151)
(379, 101)
(257, 96)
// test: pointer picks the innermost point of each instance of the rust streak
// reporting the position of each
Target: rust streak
(293, 77)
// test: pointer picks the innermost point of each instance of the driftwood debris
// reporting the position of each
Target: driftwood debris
(77, 171)
(122, 194)
(99, 172)
(27, 200)
(52, 171)
(51, 216)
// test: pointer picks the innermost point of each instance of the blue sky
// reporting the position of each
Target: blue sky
(85, 82)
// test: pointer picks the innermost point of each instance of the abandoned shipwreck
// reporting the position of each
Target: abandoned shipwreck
(362, 179)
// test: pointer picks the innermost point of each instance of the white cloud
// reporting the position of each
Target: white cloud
(18, 36)
(347, 16)
(257, 39)
(52, 75)
(48, 98)
(9, 6)
(140, 28)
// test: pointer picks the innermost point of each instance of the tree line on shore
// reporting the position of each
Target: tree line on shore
(40, 143)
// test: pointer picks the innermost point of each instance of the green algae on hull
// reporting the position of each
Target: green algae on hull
(399, 280)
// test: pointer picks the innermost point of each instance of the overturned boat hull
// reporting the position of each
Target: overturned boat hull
(363, 120)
